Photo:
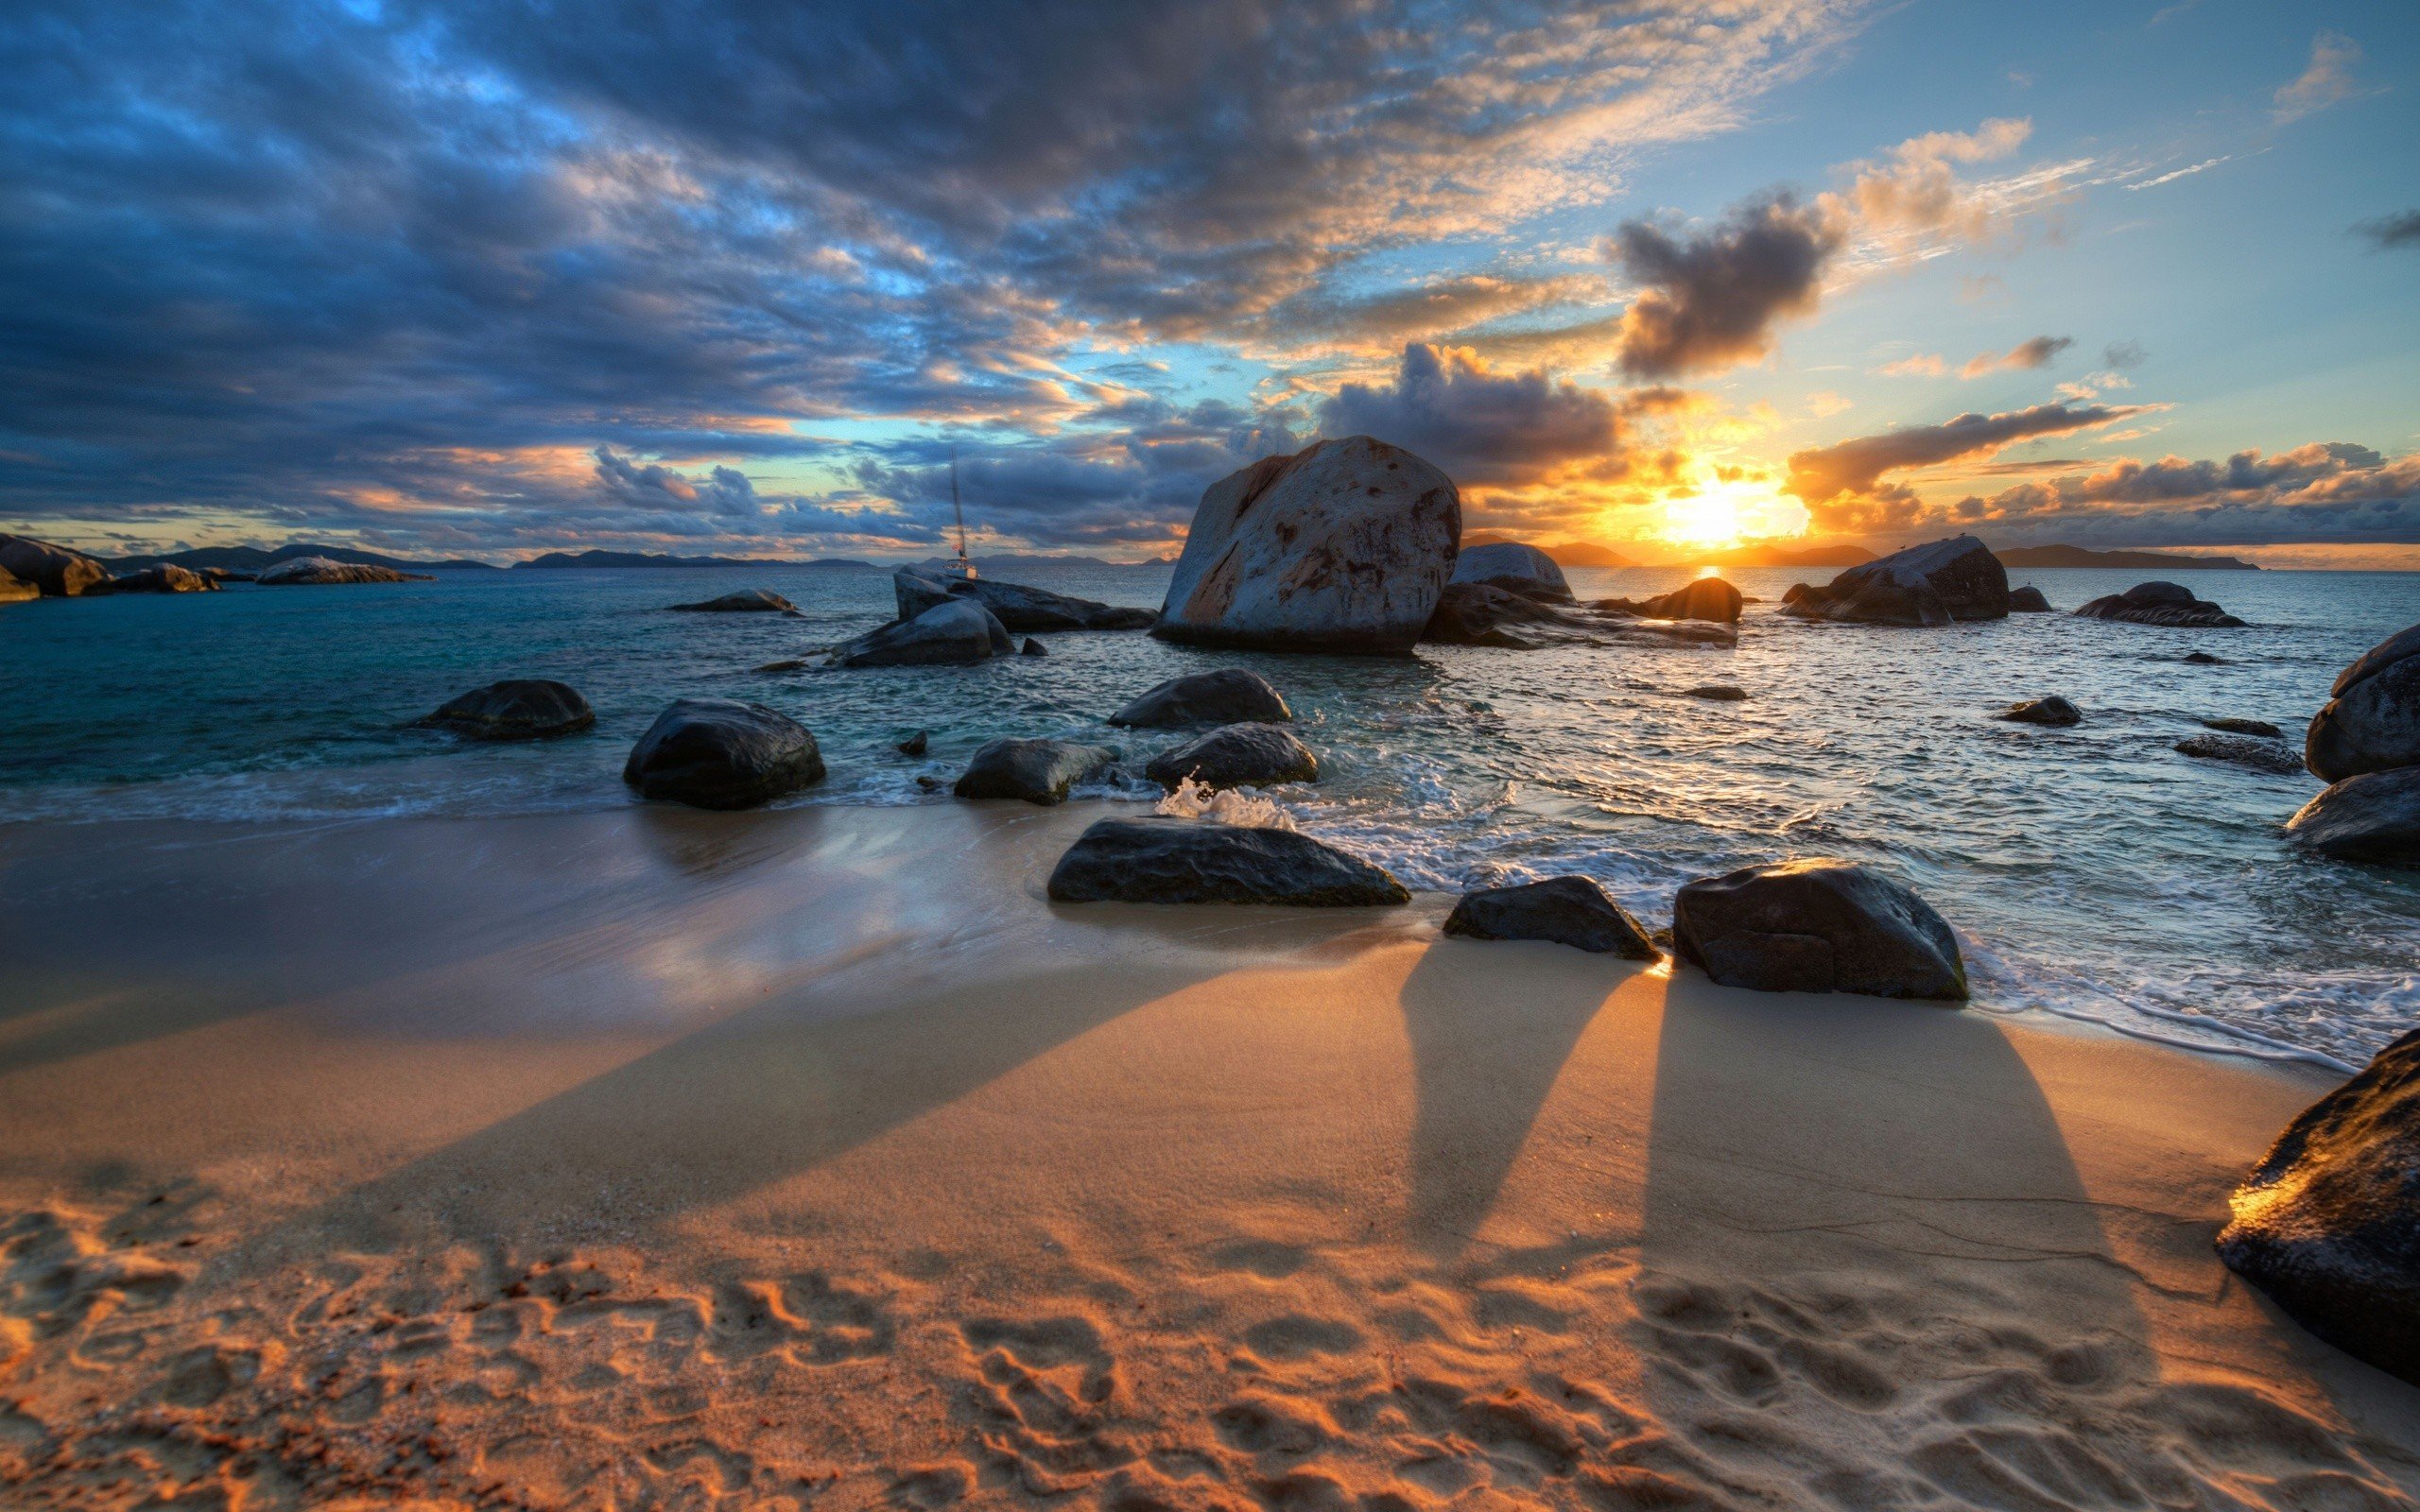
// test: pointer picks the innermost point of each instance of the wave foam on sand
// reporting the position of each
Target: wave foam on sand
(672, 1160)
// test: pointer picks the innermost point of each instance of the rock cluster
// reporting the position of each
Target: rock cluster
(1016, 607)
(313, 572)
(55, 571)
(2365, 743)
(2160, 603)
(1938, 583)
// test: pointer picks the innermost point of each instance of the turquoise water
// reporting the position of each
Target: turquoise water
(2092, 871)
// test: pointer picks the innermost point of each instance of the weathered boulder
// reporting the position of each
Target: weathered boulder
(2328, 1224)
(718, 753)
(1038, 771)
(1936, 583)
(1716, 692)
(2374, 816)
(2159, 603)
(1343, 546)
(2051, 711)
(1817, 926)
(2244, 750)
(2370, 722)
(2235, 726)
(1707, 598)
(1168, 860)
(745, 601)
(516, 708)
(957, 633)
(2027, 600)
(1566, 910)
(56, 571)
(15, 589)
(312, 572)
(1227, 696)
(159, 577)
(1246, 755)
(1013, 605)
(1514, 567)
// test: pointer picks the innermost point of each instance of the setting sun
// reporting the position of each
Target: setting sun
(1726, 513)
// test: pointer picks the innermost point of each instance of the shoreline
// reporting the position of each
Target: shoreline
(812, 1157)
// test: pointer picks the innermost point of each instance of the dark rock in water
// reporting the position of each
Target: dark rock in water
(2374, 816)
(517, 709)
(792, 663)
(2244, 750)
(2234, 726)
(56, 571)
(747, 601)
(1817, 926)
(914, 745)
(1344, 546)
(1477, 614)
(1038, 771)
(1015, 606)
(2203, 659)
(2159, 603)
(2027, 600)
(1936, 583)
(2370, 722)
(957, 633)
(2328, 1224)
(2051, 711)
(1245, 755)
(1566, 910)
(1707, 598)
(718, 753)
(1034, 648)
(15, 589)
(319, 572)
(1228, 695)
(159, 577)
(1718, 691)
(1516, 569)
(1161, 860)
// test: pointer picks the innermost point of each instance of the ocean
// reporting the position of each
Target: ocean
(2092, 872)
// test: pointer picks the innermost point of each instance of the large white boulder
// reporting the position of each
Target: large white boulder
(1514, 567)
(1344, 546)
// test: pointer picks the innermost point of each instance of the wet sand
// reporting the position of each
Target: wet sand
(657, 1159)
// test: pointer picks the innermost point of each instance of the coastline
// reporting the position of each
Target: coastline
(812, 1156)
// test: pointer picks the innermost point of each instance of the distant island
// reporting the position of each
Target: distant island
(2080, 557)
(1764, 553)
(252, 559)
(1011, 561)
(1565, 554)
(652, 558)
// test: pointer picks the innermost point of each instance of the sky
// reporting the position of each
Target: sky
(742, 276)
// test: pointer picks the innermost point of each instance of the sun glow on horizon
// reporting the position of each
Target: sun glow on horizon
(1725, 512)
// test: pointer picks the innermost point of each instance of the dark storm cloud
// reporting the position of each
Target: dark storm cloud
(2321, 494)
(2400, 230)
(1853, 467)
(1480, 426)
(1711, 300)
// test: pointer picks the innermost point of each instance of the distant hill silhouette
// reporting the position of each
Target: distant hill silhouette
(252, 559)
(2080, 557)
(1764, 553)
(653, 558)
(1013, 561)
(1565, 554)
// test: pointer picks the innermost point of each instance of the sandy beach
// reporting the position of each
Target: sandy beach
(662, 1158)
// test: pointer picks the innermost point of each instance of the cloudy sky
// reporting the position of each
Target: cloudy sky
(739, 276)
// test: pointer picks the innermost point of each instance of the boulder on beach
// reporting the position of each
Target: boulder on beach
(15, 589)
(1225, 697)
(2243, 750)
(957, 633)
(1343, 546)
(314, 572)
(1707, 598)
(2027, 600)
(745, 601)
(1015, 606)
(2328, 1224)
(2370, 722)
(1514, 568)
(2374, 816)
(2159, 603)
(1817, 926)
(1246, 755)
(1038, 771)
(718, 753)
(159, 577)
(1565, 910)
(2051, 711)
(55, 571)
(1168, 860)
(516, 708)
(1937, 583)
(2235, 726)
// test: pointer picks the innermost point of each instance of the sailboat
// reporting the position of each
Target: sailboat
(962, 569)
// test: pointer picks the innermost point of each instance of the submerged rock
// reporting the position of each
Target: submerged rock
(159, 577)
(1038, 771)
(1478, 614)
(55, 571)
(914, 745)
(2203, 659)
(2051, 711)
(1034, 648)
(745, 601)
(316, 572)
(1514, 568)
(1716, 692)
(1817, 926)
(957, 633)
(2159, 603)
(516, 708)
(2027, 600)
(1936, 583)
(1015, 606)
(2234, 726)
(1227, 696)
(2374, 816)
(1161, 860)
(2244, 750)
(1707, 598)
(1343, 546)
(2328, 1223)
(2370, 722)
(15, 589)
(1248, 755)
(1566, 910)
(718, 753)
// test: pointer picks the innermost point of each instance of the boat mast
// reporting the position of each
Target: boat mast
(965, 567)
